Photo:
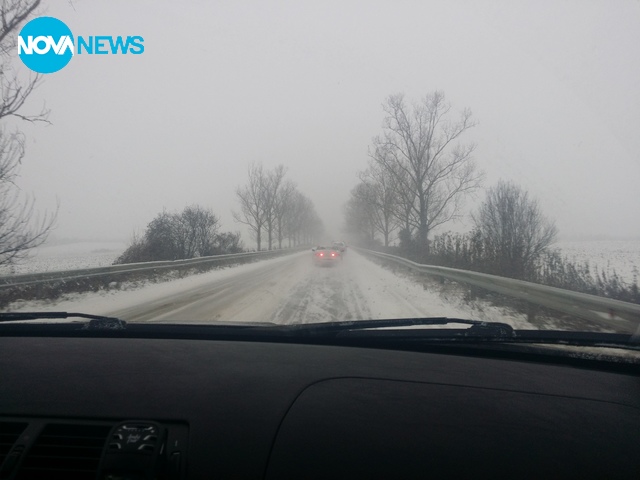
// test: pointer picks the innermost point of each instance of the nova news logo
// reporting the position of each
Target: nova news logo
(46, 45)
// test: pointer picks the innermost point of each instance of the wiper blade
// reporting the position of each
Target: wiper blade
(478, 327)
(97, 322)
(479, 331)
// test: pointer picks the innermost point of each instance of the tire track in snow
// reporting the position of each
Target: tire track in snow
(326, 294)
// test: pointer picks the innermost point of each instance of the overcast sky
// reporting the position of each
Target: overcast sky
(554, 85)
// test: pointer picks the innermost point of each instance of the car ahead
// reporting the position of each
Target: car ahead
(340, 246)
(326, 255)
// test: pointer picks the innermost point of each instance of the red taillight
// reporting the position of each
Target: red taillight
(321, 254)
(333, 254)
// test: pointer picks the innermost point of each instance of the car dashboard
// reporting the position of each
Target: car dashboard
(214, 407)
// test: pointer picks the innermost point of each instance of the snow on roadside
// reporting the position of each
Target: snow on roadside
(390, 295)
(104, 302)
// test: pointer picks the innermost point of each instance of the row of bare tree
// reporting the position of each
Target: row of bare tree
(418, 176)
(21, 228)
(272, 205)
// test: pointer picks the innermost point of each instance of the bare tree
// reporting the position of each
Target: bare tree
(381, 193)
(13, 14)
(360, 213)
(21, 229)
(292, 217)
(432, 171)
(228, 242)
(301, 222)
(311, 227)
(271, 192)
(282, 205)
(196, 229)
(251, 198)
(160, 239)
(513, 229)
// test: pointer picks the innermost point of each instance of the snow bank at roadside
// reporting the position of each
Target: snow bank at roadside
(103, 302)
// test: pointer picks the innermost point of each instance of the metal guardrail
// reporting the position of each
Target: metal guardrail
(598, 309)
(26, 279)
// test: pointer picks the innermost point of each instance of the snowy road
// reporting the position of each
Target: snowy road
(293, 290)
(284, 290)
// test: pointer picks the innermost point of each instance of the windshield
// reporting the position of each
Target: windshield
(186, 162)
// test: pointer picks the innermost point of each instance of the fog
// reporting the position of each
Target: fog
(554, 86)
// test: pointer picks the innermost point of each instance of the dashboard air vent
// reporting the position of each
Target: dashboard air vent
(9, 433)
(65, 451)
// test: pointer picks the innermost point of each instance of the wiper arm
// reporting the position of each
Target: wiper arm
(97, 322)
(478, 328)
(479, 331)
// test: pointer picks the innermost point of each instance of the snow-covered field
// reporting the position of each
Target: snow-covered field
(623, 256)
(68, 256)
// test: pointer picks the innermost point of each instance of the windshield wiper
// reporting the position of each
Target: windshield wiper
(97, 322)
(478, 327)
(479, 331)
